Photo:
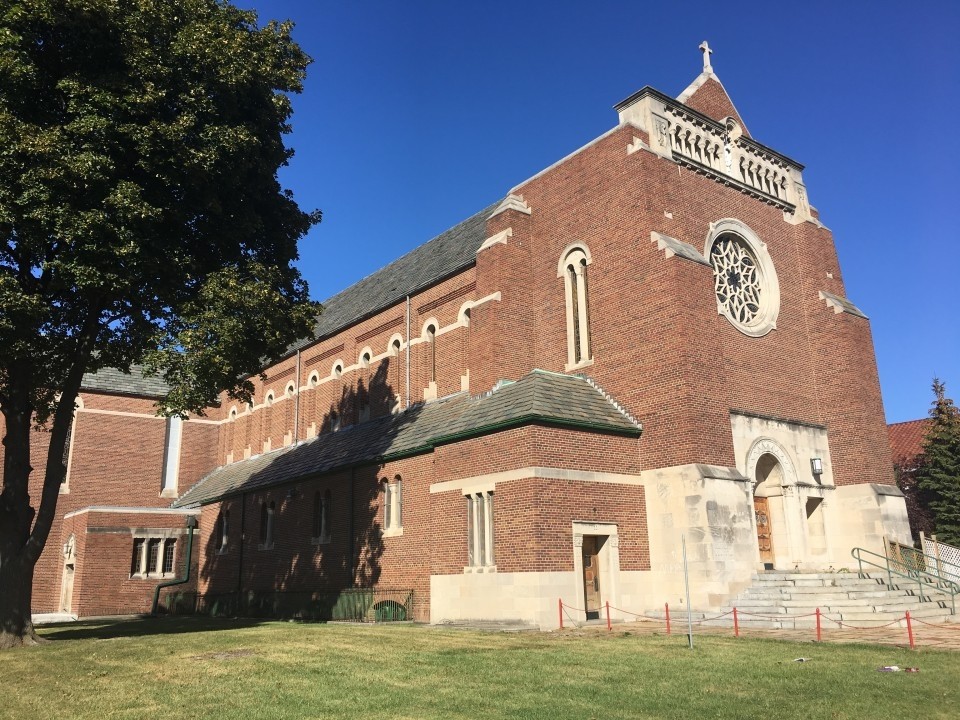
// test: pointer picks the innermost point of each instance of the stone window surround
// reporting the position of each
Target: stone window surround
(481, 541)
(576, 255)
(392, 506)
(766, 318)
(163, 536)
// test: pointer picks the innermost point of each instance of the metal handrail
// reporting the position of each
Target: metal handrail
(932, 561)
(921, 577)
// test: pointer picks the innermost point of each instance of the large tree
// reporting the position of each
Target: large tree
(938, 474)
(141, 221)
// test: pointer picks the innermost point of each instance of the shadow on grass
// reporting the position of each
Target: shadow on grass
(142, 626)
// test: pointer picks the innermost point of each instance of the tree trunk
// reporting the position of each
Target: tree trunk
(16, 517)
(16, 581)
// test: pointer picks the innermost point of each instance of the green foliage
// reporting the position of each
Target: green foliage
(939, 472)
(140, 212)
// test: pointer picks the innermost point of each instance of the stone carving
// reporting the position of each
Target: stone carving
(578, 540)
(662, 127)
(766, 446)
(737, 279)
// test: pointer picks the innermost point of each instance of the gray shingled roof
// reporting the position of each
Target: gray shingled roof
(436, 259)
(539, 397)
(133, 383)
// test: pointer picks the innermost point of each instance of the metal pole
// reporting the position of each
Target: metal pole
(666, 607)
(407, 403)
(560, 607)
(910, 631)
(686, 581)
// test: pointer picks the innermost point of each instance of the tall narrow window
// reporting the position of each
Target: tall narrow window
(573, 268)
(266, 524)
(480, 529)
(432, 339)
(171, 457)
(396, 355)
(393, 504)
(222, 530)
(136, 562)
(169, 556)
(153, 555)
(321, 516)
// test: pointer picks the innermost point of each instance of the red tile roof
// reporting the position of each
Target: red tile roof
(906, 438)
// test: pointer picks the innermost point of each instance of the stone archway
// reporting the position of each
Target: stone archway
(774, 494)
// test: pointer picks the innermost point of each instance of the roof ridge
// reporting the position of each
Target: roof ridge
(609, 398)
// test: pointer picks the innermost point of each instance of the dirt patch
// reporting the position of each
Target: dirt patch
(224, 655)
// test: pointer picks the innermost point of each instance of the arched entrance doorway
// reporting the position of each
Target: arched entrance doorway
(769, 484)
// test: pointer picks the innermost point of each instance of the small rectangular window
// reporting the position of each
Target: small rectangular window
(136, 562)
(169, 555)
(153, 555)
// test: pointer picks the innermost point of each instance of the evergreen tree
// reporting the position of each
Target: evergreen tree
(939, 474)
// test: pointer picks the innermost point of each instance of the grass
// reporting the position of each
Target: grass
(193, 668)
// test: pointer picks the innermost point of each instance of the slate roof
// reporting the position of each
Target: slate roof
(133, 383)
(538, 398)
(436, 259)
(444, 255)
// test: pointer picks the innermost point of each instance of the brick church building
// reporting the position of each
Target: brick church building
(647, 342)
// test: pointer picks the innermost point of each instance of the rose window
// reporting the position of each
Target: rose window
(737, 278)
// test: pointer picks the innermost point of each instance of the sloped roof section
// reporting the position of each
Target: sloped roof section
(538, 398)
(426, 265)
(906, 439)
(111, 380)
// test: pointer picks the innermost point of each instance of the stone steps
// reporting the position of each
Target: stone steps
(790, 600)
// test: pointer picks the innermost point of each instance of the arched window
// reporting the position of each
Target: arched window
(314, 379)
(573, 268)
(334, 421)
(268, 400)
(290, 389)
(431, 335)
(267, 513)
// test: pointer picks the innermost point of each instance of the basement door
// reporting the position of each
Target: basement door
(761, 509)
(591, 574)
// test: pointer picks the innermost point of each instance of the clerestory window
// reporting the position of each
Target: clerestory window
(573, 268)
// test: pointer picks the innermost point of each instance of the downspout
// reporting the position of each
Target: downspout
(407, 405)
(352, 564)
(243, 537)
(296, 404)
(191, 524)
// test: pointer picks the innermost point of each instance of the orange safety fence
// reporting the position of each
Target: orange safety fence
(565, 609)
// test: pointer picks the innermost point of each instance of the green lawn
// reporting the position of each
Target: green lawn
(189, 668)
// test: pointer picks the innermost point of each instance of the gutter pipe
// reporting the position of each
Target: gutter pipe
(191, 524)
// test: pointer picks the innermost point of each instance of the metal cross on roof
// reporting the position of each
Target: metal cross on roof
(707, 67)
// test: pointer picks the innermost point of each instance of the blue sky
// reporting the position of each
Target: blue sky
(417, 114)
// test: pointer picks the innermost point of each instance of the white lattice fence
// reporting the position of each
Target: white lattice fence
(947, 558)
